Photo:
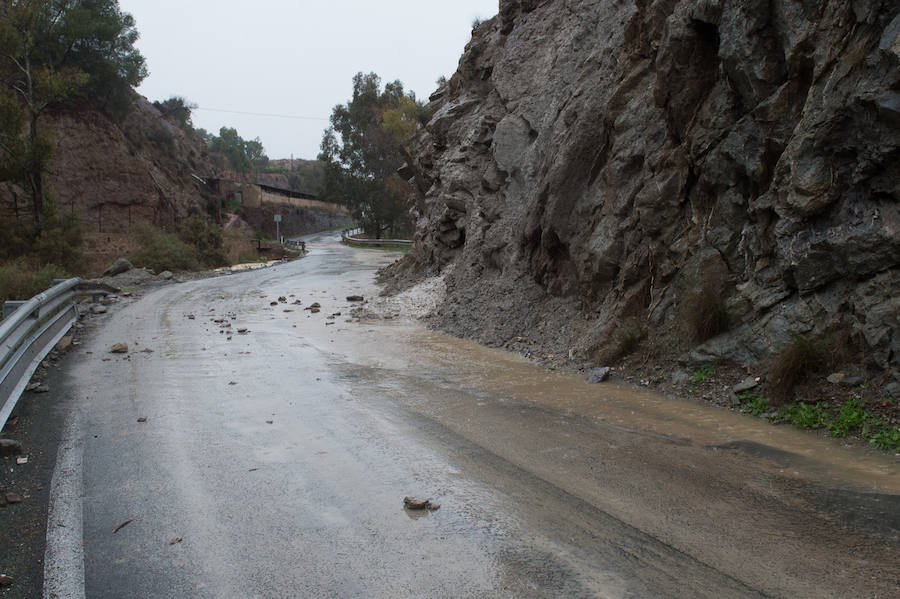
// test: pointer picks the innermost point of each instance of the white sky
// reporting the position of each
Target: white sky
(294, 58)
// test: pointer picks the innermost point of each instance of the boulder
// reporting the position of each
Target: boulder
(118, 267)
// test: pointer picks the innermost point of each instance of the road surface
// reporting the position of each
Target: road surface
(274, 463)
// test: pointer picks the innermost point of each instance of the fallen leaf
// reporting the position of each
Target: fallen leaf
(122, 525)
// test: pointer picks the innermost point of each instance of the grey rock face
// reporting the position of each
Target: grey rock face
(615, 158)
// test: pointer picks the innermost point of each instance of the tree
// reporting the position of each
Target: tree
(363, 149)
(55, 51)
(241, 155)
(179, 110)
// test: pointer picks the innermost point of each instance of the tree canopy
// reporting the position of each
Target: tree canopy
(241, 155)
(363, 149)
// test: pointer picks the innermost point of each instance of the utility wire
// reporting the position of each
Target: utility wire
(277, 116)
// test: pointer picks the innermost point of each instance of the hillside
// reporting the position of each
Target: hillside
(706, 181)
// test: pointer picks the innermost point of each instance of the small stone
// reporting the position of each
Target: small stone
(43, 389)
(893, 390)
(12, 498)
(192, 316)
(836, 377)
(64, 344)
(746, 384)
(733, 399)
(32, 387)
(166, 275)
(9, 447)
(243, 331)
(355, 298)
(175, 541)
(851, 381)
(119, 348)
(142, 419)
(282, 299)
(98, 309)
(273, 303)
(5, 580)
(598, 375)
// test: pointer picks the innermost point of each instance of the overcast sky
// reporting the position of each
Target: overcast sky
(294, 58)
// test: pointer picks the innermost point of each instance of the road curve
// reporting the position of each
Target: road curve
(274, 463)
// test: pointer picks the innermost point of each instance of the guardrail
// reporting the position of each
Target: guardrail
(30, 329)
(348, 237)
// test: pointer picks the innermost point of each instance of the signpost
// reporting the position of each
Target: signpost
(278, 228)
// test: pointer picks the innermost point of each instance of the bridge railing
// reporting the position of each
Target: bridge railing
(30, 329)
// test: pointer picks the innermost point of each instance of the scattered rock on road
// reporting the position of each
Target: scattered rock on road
(119, 348)
(98, 309)
(420, 504)
(175, 541)
(5, 580)
(12, 498)
(355, 298)
(598, 375)
(142, 419)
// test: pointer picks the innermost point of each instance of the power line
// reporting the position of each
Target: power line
(276, 116)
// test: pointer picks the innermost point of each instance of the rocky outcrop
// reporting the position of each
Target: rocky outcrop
(597, 161)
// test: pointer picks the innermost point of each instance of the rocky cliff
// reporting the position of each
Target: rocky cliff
(596, 165)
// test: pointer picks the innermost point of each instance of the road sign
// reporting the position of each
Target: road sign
(277, 218)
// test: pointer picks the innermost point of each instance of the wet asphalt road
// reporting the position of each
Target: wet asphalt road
(280, 459)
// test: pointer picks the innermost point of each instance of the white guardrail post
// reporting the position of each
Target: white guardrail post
(31, 329)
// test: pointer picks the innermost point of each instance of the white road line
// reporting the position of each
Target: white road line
(64, 553)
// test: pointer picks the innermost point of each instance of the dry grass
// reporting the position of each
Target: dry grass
(705, 314)
(793, 365)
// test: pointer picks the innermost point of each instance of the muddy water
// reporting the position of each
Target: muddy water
(502, 374)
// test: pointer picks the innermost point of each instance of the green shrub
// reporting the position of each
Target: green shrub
(805, 415)
(163, 251)
(755, 403)
(793, 364)
(701, 376)
(850, 417)
(206, 238)
(20, 280)
(59, 241)
(886, 437)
